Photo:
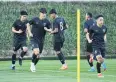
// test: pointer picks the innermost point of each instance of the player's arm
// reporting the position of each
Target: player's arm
(47, 27)
(88, 38)
(90, 32)
(105, 38)
(65, 25)
(54, 31)
(15, 31)
(48, 30)
(85, 27)
(14, 28)
(29, 30)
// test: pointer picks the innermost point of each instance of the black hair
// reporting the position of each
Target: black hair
(23, 12)
(52, 11)
(98, 16)
(43, 10)
(89, 14)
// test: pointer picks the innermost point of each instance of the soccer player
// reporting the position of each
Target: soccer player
(98, 32)
(39, 27)
(19, 28)
(89, 23)
(58, 27)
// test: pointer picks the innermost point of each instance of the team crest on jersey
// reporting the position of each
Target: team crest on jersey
(104, 30)
(96, 30)
(44, 24)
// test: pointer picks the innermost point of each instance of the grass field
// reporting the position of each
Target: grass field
(47, 71)
(109, 75)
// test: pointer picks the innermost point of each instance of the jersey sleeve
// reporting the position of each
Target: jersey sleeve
(106, 30)
(91, 31)
(48, 24)
(14, 24)
(31, 21)
(26, 22)
(64, 25)
(86, 25)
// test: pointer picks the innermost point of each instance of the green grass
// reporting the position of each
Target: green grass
(47, 71)
(109, 75)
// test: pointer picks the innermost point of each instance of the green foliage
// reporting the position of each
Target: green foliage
(9, 12)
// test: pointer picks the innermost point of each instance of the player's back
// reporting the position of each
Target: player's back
(59, 22)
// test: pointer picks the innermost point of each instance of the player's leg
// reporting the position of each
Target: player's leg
(24, 51)
(40, 51)
(15, 48)
(57, 48)
(90, 56)
(99, 59)
(35, 53)
(103, 51)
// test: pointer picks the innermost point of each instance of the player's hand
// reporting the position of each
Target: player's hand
(20, 31)
(49, 30)
(31, 35)
(89, 41)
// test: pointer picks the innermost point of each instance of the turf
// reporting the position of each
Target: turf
(109, 75)
(47, 71)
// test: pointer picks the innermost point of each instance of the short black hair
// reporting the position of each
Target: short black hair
(43, 10)
(89, 14)
(52, 11)
(23, 12)
(98, 16)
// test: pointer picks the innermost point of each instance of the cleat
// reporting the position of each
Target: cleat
(20, 61)
(64, 67)
(13, 68)
(91, 70)
(32, 68)
(100, 75)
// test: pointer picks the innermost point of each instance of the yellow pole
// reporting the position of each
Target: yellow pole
(78, 45)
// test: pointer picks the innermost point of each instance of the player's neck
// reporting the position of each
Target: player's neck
(99, 25)
(21, 20)
(40, 18)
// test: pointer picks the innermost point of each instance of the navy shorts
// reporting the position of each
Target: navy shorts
(99, 51)
(58, 46)
(36, 43)
(17, 44)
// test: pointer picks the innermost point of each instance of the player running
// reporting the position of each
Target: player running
(89, 23)
(19, 28)
(58, 27)
(39, 27)
(98, 33)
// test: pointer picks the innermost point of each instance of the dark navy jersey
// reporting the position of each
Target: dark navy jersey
(59, 23)
(38, 27)
(97, 34)
(18, 24)
(89, 23)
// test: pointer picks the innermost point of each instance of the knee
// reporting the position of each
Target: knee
(36, 51)
(25, 49)
(100, 59)
(57, 52)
